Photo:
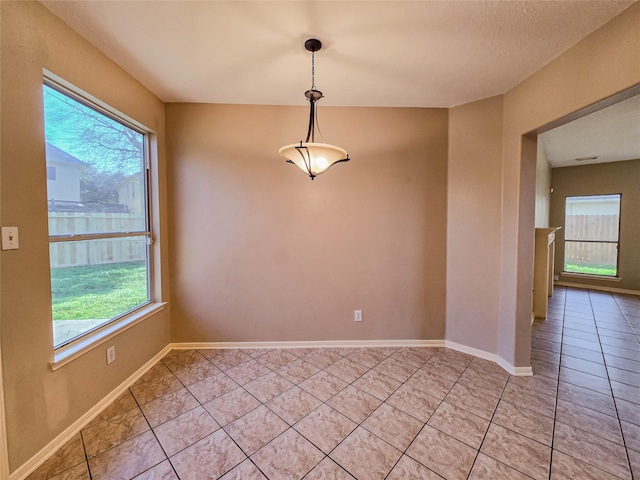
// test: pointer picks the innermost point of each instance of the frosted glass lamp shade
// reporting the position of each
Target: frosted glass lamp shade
(314, 158)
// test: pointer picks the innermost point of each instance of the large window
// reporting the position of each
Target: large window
(592, 226)
(99, 228)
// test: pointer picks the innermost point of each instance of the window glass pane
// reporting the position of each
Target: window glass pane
(591, 258)
(99, 164)
(591, 234)
(96, 184)
(95, 281)
(594, 217)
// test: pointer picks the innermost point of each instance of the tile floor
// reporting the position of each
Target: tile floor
(376, 413)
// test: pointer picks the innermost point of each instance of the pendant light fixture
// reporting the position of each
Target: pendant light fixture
(311, 157)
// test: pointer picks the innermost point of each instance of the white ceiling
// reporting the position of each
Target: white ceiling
(611, 134)
(375, 53)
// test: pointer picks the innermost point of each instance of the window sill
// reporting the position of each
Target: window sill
(66, 354)
(590, 277)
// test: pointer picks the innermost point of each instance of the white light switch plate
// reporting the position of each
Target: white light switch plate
(10, 238)
(111, 354)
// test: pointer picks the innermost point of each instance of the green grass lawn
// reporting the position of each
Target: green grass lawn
(98, 291)
(591, 269)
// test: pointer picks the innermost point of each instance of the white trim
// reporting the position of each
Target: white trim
(471, 351)
(39, 458)
(598, 287)
(515, 371)
(85, 98)
(492, 357)
(64, 355)
(309, 344)
(590, 276)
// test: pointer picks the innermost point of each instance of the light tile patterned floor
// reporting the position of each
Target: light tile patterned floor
(376, 413)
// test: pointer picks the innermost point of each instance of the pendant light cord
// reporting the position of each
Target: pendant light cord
(316, 125)
(313, 70)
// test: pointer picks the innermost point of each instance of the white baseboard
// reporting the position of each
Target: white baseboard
(471, 351)
(309, 344)
(492, 357)
(597, 287)
(515, 371)
(39, 458)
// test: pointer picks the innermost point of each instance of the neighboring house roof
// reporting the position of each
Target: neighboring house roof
(54, 154)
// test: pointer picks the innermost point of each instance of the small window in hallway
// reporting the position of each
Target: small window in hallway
(592, 226)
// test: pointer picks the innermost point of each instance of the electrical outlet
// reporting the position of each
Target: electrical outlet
(10, 238)
(357, 315)
(111, 354)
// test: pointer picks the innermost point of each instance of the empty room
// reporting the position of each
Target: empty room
(319, 240)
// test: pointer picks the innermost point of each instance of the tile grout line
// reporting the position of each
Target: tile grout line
(425, 423)
(271, 370)
(610, 389)
(467, 368)
(151, 428)
(321, 369)
(383, 401)
(612, 397)
(360, 423)
(86, 458)
(324, 402)
(615, 404)
(200, 404)
(487, 430)
(555, 409)
(387, 356)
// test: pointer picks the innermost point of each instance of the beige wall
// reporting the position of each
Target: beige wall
(604, 63)
(40, 403)
(260, 252)
(543, 188)
(473, 213)
(603, 178)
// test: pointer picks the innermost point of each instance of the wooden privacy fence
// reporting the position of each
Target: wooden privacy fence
(95, 252)
(596, 229)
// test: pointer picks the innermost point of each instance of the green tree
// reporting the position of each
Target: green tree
(99, 188)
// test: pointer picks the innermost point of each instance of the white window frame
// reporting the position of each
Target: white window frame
(616, 242)
(77, 346)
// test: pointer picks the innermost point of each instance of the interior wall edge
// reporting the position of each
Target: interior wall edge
(473, 222)
(570, 82)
